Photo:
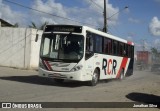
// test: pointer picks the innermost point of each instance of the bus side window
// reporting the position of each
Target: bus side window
(89, 42)
(106, 51)
(132, 52)
(126, 49)
(129, 51)
(121, 49)
(98, 43)
(115, 46)
(110, 46)
(107, 46)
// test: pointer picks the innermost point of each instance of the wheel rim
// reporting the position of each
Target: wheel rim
(121, 76)
(95, 78)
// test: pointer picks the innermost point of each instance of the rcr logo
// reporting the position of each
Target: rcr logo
(109, 66)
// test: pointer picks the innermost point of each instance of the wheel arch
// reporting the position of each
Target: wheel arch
(99, 71)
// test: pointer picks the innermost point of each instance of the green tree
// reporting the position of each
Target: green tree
(156, 54)
(154, 51)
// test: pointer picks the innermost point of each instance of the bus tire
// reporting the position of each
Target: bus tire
(59, 80)
(95, 78)
(121, 77)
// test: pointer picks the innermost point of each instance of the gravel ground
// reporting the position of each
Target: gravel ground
(25, 86)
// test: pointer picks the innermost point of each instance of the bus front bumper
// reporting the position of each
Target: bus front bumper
(76, 76)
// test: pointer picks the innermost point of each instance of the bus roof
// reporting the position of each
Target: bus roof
(79, 28)
(107, 35)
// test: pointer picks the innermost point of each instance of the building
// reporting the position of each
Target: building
(4, 23)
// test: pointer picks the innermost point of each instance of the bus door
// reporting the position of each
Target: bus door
(89, 53)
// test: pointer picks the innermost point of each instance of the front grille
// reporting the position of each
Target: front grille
(57, 76)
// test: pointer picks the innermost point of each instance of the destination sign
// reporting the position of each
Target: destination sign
(63, 28)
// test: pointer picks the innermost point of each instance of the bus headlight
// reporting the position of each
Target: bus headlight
(77, 68)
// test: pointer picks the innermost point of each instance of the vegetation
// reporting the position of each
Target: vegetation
(154, 51)
(156, 54)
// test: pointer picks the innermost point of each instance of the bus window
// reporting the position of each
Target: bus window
(132, 52)
(126, 50)
(98, 43)
(129, 51)
(107, 46)
(121, 50)
(89, 42)
(115, 47)
(110, 46)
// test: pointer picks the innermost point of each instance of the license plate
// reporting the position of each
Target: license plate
(56, 74)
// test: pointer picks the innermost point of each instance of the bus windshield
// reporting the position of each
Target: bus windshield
(62, 46)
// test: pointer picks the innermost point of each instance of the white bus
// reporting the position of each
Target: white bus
(81, 53)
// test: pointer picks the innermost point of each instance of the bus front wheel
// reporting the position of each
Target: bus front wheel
(95, 78)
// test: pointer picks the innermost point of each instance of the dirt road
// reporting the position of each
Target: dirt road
(25, 86)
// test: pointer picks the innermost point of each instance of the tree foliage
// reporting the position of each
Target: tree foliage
(156, 55)
(154, 51)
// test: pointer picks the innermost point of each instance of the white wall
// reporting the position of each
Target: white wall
(35, 47)
(17, 47)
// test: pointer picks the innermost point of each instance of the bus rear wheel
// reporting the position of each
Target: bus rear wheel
(121, 77)
(95, 78)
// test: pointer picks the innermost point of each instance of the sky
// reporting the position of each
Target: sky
(140, 22)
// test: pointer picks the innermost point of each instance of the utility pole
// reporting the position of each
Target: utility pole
(143, 44)
(105, 16)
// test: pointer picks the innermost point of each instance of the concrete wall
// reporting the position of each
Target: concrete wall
(17, 47)
(35, 47)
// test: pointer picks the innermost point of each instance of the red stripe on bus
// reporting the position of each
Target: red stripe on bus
(129, 42)
(48, 65)
(123, 65)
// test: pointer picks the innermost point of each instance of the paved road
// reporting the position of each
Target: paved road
(25, 86)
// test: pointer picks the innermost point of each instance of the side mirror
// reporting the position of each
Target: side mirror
(36, 39)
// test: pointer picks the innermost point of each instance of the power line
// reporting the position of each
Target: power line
(52, 14)
(107, 18)
(48, 13)
(117, 12)
(86, 11)
(96, 4)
